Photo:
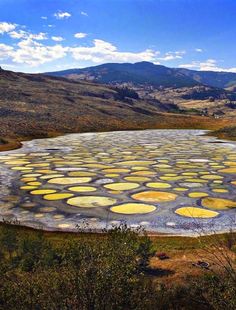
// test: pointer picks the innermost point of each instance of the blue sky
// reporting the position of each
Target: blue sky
(48, 35)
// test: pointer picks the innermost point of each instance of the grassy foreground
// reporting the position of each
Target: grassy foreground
(119, 269)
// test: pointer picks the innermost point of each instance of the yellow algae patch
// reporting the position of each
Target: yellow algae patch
(31, 175)
(220, 190)
(162, 166)
(58, 216)
(189, 173)
(230, 163)
(228, 170)
(28, 179)
(137, 168)
(46, 171)
(91, 201)
(21, 168)
(218, 182)
(115, 170)
(34, 183)
(137, 179)
(180, 189)
(82, 189)
(197, 195)
(28, 187)
(57, 196)
(39, 215)
(96, 166)
(111, 175)
(136, 162)
(71, 180)
(81, 174)
(50, 176)
(158, 185)
(133, 208)
(196, 181)
(38, 165)
(43, 191)
(16, 162)
(212, 177)
(121, 186)
(196, 212)
(171, 178)
(144, 172)
(153, 196)
(218, 203)
(170, 175)
(115, 192)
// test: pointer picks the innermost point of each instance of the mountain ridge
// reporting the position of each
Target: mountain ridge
(149, 73)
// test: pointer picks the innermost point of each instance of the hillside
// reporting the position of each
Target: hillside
(151, 74)
(211, 78)
(34, 105)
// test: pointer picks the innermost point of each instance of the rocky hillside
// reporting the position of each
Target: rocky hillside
(38, 105)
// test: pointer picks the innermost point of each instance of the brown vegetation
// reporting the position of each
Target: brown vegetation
(34, 106)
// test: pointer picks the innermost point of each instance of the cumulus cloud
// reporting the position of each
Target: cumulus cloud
(44, 17)
(207, 65)
(22, 34)
(5, 51)
(6, 27)
(18, 34)
(80, 35)
(103, 51)
(62, 15)
(172, 56)
(199, 50)
(57, 39)
(33, 53)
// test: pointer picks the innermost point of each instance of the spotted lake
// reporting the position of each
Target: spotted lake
(168, 181)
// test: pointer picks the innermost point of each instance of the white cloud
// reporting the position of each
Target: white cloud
(62, 15)
(44, 17)
(33, 53)
(103, 51)
(6, 27)
(18, 34)
(21, 34)
(57, 39)
(198, 50)
(80, 35)
(172, 56)
(5, 51)
(207, 65)
(84, 13)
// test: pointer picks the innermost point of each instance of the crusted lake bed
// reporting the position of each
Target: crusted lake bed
(178, 182)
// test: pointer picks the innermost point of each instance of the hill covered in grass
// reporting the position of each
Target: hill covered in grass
(35, 105)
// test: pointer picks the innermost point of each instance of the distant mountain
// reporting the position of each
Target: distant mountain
(211, 78)
(138, 73)
(149, 74)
